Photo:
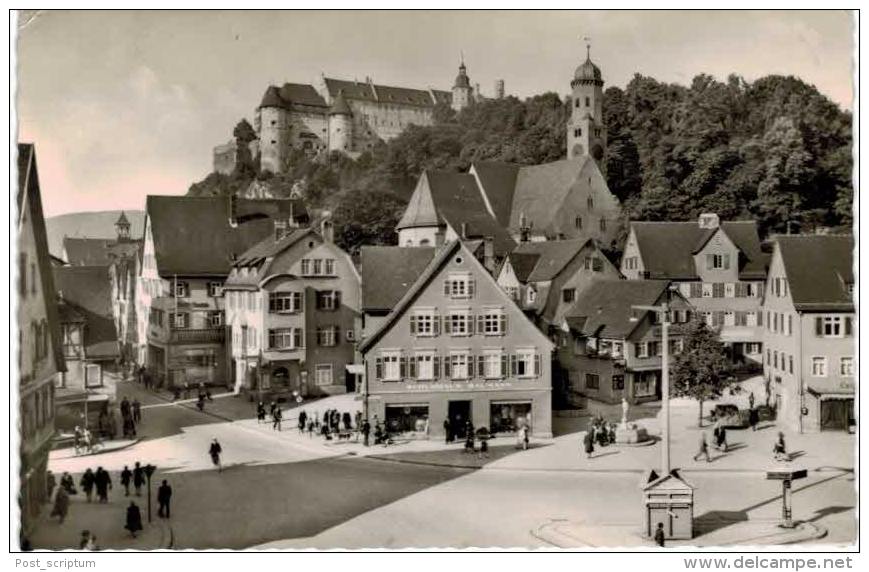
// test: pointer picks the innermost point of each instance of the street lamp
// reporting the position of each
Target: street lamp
(149, 470)
(664, 310)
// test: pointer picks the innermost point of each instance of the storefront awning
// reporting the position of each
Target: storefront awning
(832, 388)
(355, 368)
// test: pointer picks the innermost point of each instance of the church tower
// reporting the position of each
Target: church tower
(462, 92)
(122, 226)
(586, 132)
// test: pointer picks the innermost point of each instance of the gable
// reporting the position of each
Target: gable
(540, 191)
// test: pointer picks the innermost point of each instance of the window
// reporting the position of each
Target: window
(513, 292)
(790, 364)
(33, 278)
(568, 295)
(578, 222)
(324, 374)
(459, 368)
(525, 363)
(492, 323)
(182, 289)
(752, 348)
(327, 336)
(677, 345)
(642, 350)
(707, 290)
(775, 359)
(819, 366)
(532, 295)
(328, 299)
(426, 366)
(730, 290)
(577, 132)
(215, 289)
(718, 290)
(459, 286)
(717, 262)
(285, 338)
(494, 364)
(424, 323)
(631, 263)
(590, 202)
(790, 328)
(285, 302)
(388, 366)
(592, 381)
(329, 266)
(603, 225)
(832, 326)
(318, 267)
(458, 323)
(846, 366)
(696, 290)
(306, 267)
(180, 320)
(618, 382)
(215, 319)
(588, 101)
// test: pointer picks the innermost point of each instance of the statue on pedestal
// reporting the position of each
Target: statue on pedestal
(625, 408)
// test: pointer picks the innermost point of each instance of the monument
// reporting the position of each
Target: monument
(630, 434)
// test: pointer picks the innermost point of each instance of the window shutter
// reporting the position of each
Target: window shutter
(448, 325)
(298, 302)
(503, 324)
(709, 261)
(503, 365)
(436, 367)
(411, 367)
(378, 369)
(413, 325)
(402, 367)
(819, 327)
(472, 284)
(447, 366)
(337, 299)
(436, 325)
(727, 262)
(481, 323)
(481, 366)
(318, 300)
(513, 364)
(446, 287)
(536, 365)
(848, 325)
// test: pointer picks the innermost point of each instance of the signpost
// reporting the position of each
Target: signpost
(786, 476)
(149, 470)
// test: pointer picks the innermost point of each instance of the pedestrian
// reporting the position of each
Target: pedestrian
(164, 496)
(703, 448)
(366, 430)
(67, 484)
(659, 535)
(278, 416)
(751, 400)
(125, 408)
(126, 479)
(61, 504)
(186, 390)
(525, 437)
(215, 450)
(779, 449)
(611, 436)
(753, 418)
(103, 482)
(346, 420)
(716, 429)
(111, 425)
(588, 441)
(77, 440)
(469, 441)
(134, 519)
(272, 407)
(357, 420)
(50, 483)
(721, 441)
(378, 434)
(92, 543)
(137, 411)
(303, 421)
(317, 420)
(138, 478)
(129, 427)
(85, 538)
(310, 428)
(87, 483)
(200, 403)
(448, 433)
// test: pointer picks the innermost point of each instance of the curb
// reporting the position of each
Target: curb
(101, 451)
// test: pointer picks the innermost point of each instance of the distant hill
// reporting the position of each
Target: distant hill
(90, 225)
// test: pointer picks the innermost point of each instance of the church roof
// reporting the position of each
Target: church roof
(587, 71)
(122, 220)
(541, 189)
(462, 79)
(498, 180)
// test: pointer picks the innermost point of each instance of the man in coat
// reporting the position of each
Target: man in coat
(366, 431)
(103, 482)
(164, 496)
(126, 479)
(138, 478)
(134, 519)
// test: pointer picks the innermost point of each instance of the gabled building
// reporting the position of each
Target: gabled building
(546, 278)
(612, 350)
(40, 354)
(719, 268)
(456, 347)
(101, 251)
(810, 332)
(190, 244)
(90, 344)
(292, 305)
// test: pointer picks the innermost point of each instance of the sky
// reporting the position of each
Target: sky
(124, 104)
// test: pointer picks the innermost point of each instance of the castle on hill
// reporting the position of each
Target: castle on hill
(341, 115)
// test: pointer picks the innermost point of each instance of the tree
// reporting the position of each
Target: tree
(700, 370)
(366, 216)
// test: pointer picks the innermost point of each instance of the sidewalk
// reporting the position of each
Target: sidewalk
(106, 521)
(105, 447)
(565, 534)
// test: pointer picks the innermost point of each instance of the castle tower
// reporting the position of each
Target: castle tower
(586, 132)
(122, 225)
(340, 125)
(462, 91)
(273, 131)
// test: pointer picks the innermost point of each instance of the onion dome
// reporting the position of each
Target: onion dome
(588, 72)
(462, 79)
(339, 105)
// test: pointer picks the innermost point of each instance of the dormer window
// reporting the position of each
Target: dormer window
(717, 262)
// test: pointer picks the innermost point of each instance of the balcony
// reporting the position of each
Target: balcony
(198, 336)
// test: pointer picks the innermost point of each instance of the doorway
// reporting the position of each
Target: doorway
(459, 413)
(837, 414)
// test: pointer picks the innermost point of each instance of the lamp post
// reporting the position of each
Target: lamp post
(149, 470)
(664, 310)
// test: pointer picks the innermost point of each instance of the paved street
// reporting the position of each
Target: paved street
(294, 491)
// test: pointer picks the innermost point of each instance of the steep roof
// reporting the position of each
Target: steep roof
(96, 251)
(339, 106)
(523, 263)
(541, 190)
(818, 269)
(498, 180)
(366, 91)
(604, 309)
(291, 94)
(29, 195)
(668, 248)
(260, 256)
(86, 293)
(388, 272)
(552, 256)
(193, 236)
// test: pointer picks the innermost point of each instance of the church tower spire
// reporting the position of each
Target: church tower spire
(462, 92)
(586, 132)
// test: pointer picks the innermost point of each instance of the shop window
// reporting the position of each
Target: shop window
(323, 374)
(407, 418)
(509, 417)
(618, 382)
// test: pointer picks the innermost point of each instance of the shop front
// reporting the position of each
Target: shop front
(410, 420)
(830, 407)
(645, 385)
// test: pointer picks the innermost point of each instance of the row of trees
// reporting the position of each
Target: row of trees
(774, 150)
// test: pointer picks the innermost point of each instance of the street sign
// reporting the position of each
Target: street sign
(786, 474)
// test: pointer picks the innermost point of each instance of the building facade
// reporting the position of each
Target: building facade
(40, 357)
(719, 268)
(810, 363)
(292, 305)
(456, 348)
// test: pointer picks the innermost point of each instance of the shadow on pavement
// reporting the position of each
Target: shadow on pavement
(455, 457)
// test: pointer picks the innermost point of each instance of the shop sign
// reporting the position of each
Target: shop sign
(458, 385)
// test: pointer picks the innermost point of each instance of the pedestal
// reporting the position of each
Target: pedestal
(631, 434)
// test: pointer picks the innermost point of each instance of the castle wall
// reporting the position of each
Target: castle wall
(308, 130)
(385, 120)
(274, 138)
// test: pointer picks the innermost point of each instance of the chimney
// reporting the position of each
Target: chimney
(489, 254)
(327, 231)
(524, 229)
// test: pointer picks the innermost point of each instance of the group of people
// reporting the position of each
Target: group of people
(599, 432)
(275, 412)
(83, 440)
(131, 414)
(144, 377)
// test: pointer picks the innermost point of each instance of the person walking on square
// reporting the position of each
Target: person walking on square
(721, 441)
(310, 428)
(125, 408)
(215, 450)
(126, 479)
(779, 449)
(659, 535)
(61, 504)
(138, 478)
(448, 431)
(137, 411)
(366, 431)
(67, 483)
(164, 497)
(134, 519)
(87, 484)
(703, 448)
(77, 440)
(345, 419)
(276, 423)
(103, 482)
(50, 484)
(303, 419)
(751, 400)
(753, 418)
(588, 441)
(260, 412)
